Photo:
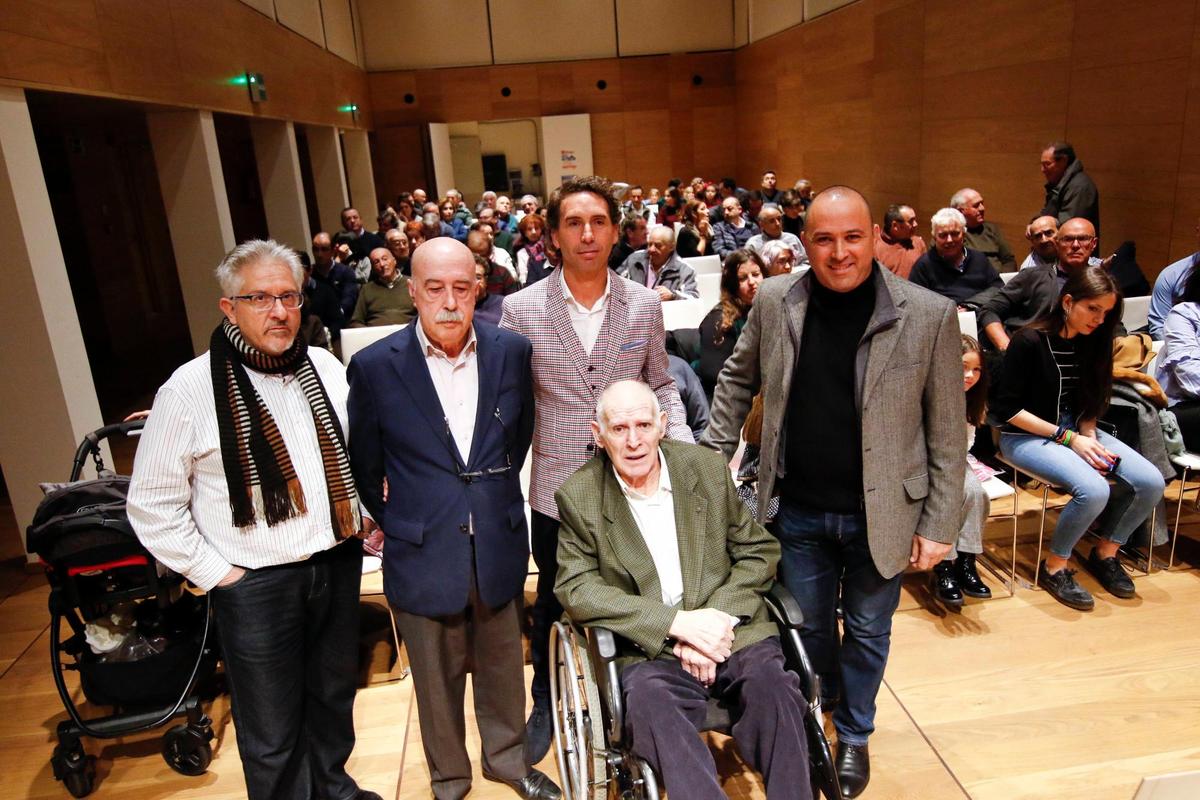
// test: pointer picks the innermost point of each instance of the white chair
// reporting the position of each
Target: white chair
(710, 289)
(1136, 313)
(997, 490)
(967, 324)
(1188, 462)
(355, 339)
(683, 314)
(704, 265)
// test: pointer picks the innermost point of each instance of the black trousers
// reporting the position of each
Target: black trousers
(665, 709)
(289, 640)
(546, 610)
(1188, 415)
(487, 642)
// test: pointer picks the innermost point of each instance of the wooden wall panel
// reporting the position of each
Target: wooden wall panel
(650, 122)
(923, 97)
(303, 17)
(648, 28)
(184, 54)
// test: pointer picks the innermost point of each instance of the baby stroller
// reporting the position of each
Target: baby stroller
(114, 596)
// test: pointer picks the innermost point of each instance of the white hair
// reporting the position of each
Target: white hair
(773, 248)
(255, 251)
(960, 197)
(668, 229)
(948, 218)
(769, 208)
(606, 397)
(528, 197)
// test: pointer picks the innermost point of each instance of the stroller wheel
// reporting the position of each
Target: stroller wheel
(186, 749)
(74, 768)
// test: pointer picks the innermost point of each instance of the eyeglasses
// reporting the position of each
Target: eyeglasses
(1077, 239)
(263, 302)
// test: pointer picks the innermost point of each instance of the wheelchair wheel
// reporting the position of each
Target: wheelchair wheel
(581, 766)
(821, 765)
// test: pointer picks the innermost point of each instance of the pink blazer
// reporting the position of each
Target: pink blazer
(567, 382)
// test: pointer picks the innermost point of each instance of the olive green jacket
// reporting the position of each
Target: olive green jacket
(606, 576)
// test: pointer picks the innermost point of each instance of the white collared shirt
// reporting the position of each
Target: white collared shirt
(586, 321)
(178, 499)
(456, 381)
(655, 518)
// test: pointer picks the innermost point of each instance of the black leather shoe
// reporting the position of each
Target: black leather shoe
(1111, 574)
(534, 786)
(539, 730)
(945, 587)
(853, 768)
(968, 577)
(1062, 586)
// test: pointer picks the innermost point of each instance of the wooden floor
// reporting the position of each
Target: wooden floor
(1017, 697)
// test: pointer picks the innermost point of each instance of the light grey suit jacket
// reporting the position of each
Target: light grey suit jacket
(910, 400)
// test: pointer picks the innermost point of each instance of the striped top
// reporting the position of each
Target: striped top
(1063, 351)
(178, 500)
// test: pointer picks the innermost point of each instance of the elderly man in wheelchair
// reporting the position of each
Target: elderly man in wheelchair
(662, 565)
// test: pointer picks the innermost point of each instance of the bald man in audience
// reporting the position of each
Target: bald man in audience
(770, 223)
(658, 267)
(398, 245)
(1033, 292)
(981, 236)
(1043, 250)
(385, 299)
(897, 245)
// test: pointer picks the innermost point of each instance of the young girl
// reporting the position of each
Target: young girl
(956, 574)
(1058, 378)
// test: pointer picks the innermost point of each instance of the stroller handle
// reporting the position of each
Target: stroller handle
(91, 443)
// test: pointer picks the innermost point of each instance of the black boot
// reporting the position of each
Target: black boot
(968, 578)
(944, 585)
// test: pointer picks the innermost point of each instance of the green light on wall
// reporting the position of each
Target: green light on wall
(240, 80)
(350, 109)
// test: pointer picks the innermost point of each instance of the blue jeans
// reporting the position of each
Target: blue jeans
(822, 553)
(1137, 487)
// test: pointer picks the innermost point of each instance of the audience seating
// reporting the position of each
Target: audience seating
(684, 313)
(355, 339)
(704, 265)
(1136, 313)
(968, 324)
(710, 288)
(1188, 462)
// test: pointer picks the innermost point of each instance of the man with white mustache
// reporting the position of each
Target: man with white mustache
(443, 412)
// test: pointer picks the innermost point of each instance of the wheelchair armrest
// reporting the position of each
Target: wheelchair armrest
(782, 606)
(602, 651)
(785, 612)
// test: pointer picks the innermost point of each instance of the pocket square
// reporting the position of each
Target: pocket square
(633, 345)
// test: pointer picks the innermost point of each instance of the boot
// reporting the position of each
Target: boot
(968, 578)
(944, 586)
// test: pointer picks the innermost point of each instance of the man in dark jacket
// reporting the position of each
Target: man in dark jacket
(951, 268)
(1069, 190)
(658, 268)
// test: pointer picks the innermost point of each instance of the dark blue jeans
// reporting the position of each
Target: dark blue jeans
(289, 640)
(824, 554)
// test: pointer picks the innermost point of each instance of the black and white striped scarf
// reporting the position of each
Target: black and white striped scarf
(258, 470)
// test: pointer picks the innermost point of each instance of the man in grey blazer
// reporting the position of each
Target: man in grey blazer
(862, 440)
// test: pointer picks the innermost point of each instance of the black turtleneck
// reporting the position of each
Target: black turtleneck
(824, 435)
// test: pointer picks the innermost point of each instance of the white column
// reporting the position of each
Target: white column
(360, 175)
(47, 393)
(189, 172)
(279, 178)
(329, 175)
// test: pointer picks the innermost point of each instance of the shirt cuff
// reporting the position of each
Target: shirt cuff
(209, 571)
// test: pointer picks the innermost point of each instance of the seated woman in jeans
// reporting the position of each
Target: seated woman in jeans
(1058, 377)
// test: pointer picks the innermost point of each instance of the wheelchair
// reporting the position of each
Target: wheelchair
(595, 759)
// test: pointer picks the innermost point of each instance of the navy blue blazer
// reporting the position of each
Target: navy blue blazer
(398, 431)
